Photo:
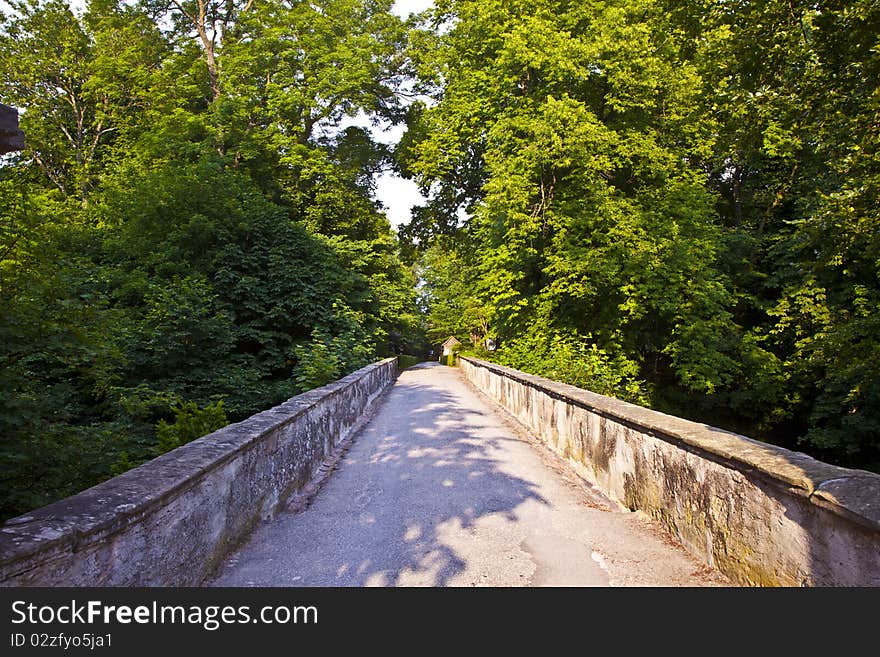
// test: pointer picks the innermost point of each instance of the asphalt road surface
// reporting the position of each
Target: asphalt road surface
(442, 488)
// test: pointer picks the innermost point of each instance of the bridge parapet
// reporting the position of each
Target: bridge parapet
(761, 514)
(170, 521)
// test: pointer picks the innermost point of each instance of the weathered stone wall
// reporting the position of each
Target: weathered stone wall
(169, 521)
(761, 514)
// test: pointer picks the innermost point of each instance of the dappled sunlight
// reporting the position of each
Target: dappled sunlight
(418, 453)
(414, 490)
(376, 579)
(453, 497)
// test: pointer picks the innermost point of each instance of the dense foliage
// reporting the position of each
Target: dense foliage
(189, 236)
(672, 202)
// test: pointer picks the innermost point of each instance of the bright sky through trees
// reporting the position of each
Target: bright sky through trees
(397, 194)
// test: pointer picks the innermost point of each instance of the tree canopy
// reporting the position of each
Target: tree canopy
(190, 234)
(672, 202)
(676, 203)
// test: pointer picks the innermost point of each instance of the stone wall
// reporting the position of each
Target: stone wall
(761, 514)
(170, 521)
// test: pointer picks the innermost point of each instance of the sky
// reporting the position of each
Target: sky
(395, 193)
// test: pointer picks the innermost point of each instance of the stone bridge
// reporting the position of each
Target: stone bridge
(476, 475)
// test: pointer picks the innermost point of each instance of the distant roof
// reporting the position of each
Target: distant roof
(451, 341)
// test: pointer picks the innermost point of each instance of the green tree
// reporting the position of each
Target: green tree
(453, 308)
(687, 187)
(80, 84)
(185, 229)
(590, 216)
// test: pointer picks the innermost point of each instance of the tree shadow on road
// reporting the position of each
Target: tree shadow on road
(425, 468)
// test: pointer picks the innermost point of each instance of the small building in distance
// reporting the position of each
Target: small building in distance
(449, 346)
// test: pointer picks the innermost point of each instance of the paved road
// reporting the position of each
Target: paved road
(442, 489)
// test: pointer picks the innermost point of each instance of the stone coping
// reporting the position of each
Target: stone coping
(113, 504)
(851, 494)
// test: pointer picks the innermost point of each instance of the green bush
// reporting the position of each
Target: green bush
(317, 365)
(327, 358)
(405, 360)
(576, 360)
(190, 422)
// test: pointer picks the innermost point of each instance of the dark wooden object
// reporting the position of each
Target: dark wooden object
(11, 138)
